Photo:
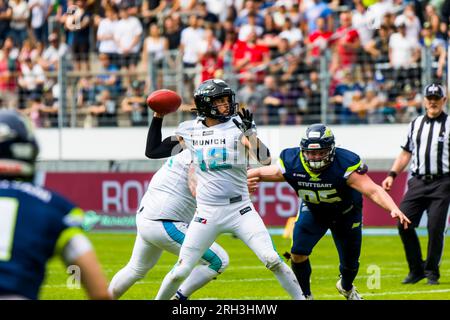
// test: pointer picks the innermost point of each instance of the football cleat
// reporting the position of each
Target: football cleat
(351, 294)
(309, 297)
(179, 296)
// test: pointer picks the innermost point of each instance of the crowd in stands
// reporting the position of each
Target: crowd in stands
(274, 50)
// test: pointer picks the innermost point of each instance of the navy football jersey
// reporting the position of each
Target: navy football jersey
(34, 224)
(325, 193)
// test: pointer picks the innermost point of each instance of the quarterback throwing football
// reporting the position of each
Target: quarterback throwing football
(220, 143)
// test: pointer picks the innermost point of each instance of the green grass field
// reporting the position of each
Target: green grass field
(247, 278)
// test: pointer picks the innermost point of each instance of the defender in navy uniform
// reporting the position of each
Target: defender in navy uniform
(36, 223)
(329, 182)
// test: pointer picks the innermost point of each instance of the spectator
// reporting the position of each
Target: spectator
(172, 32)
(102, 111)
(154, 51)
(33, 111)
(134, 104)
(311, 88)
(190, 37)
(250, 7)
(127, 35)
(155, 45)
(291, 33)
(289, 96)
(318, 40)
(211, 20)
(279, 15)
(408, 105)
(150, 10)
(411, 21)
(107, 79)
(270, 37)
(272, 102)
(316, 10)
(55, 50)
(19, 19)
(105, 34)
(378, 47)
(5, 19)
(382, 10)
(362, 23)
(366, 106)
(218, 7)
(248, 27)
(345, 43)
(9, 67)
(49, 108)
(436, 48)
(342, 97)
(278, 58)
(251, 99)
(25, 50)
(433, 19)
(78, 28)
(40, 12)
(253, 56)
(31, 80)
(294, 14)
(403, 57)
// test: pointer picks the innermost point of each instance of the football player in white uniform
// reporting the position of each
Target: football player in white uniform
(162, 220)
(220, 149)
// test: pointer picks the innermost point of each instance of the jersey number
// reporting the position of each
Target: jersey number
(216, 159)
(8, 217)
(316, 197)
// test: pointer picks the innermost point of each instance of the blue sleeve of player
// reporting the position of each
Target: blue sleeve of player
(281, 160)
(70, 221)
(350, 162)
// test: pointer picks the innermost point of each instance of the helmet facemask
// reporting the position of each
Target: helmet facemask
(318, 159)
(318, 147)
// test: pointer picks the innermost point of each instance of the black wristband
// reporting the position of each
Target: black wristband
(392, 174)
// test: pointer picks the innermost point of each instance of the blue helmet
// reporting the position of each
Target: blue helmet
(318, 137)
(207, 92)
(18, 146)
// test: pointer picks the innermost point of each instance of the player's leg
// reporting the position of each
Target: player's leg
(250, 228)
(214, 260)
(437, 223)
(307, 232)
(199, 237)
(347, 236)
(145, 255)
(413, 205)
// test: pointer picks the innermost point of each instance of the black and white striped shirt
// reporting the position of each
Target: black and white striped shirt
(429, 142)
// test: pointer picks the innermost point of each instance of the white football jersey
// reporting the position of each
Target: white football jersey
(168, 195)
(220, 160)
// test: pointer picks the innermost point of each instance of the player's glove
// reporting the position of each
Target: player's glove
(246, 124)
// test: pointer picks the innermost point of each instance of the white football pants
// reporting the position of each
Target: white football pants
(152, 238)
(242, 220)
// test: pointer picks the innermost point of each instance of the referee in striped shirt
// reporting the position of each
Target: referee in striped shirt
(428, 146)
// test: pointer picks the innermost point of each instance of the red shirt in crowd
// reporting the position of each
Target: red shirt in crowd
(347, 56)
(315, 37)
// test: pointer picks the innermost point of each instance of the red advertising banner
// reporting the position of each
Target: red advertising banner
(111, 199)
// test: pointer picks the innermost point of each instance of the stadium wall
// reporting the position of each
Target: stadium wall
(371, 142)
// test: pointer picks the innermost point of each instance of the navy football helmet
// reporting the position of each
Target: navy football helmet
(207, 92)
(18, 146)
(318, 137)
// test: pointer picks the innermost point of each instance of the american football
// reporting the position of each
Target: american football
(164, 101)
